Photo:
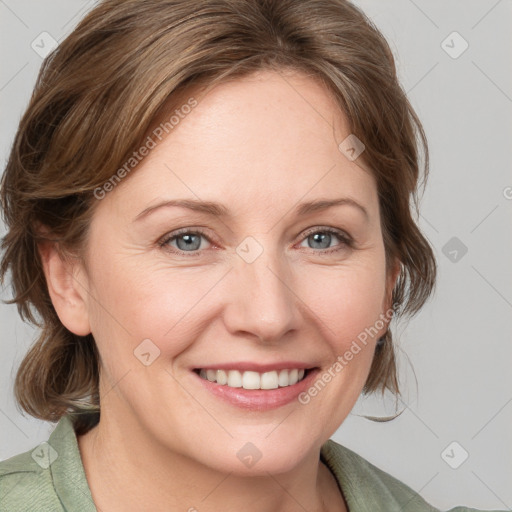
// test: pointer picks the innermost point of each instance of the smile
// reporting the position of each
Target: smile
(254, 380)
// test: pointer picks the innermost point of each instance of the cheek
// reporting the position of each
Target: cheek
(348, 300)
(136, 302)
(348, 303)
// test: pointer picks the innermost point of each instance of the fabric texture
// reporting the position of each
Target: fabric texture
(51, 478)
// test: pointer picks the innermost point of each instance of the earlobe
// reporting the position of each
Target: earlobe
(67, 294)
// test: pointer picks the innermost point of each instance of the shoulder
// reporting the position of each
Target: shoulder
(367, 487)
(25, 485)
(48, 477)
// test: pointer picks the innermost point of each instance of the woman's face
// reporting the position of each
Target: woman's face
(242, 290)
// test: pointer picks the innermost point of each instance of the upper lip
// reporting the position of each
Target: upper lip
(257, 367)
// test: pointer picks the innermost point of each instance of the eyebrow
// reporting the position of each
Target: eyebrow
(219, 210)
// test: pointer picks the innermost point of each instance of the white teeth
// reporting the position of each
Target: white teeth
(269, 380)
(234, 379)
(254, 380)
(251, 380)
(283, 378)
(222, 377)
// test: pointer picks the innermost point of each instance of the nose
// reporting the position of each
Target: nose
(262, 302)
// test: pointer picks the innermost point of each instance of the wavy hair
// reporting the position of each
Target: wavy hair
(99, 92)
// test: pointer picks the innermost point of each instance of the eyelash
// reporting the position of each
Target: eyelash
(345, 239)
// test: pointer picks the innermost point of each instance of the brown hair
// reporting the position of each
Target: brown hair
(97, 96)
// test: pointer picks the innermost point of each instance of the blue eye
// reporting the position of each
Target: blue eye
(321, 238)
(188, 242)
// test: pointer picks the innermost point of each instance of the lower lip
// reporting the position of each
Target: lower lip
(259, 399)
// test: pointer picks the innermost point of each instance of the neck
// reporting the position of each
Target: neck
(128, 470)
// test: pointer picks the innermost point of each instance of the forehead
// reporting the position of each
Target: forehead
(269, 139)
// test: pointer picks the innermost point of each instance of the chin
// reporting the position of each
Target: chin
(255, 457)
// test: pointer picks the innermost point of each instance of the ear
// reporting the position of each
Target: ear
(391, 280)
(68, 295)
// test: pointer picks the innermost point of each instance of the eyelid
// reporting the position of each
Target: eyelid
(327, 229)
(342, 235)
(182, 231)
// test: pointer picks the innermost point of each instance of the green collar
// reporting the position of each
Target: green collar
(365, 487)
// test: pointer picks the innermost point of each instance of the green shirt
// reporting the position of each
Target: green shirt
(51, 478)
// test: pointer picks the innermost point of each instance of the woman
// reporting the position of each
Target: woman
(209, 207)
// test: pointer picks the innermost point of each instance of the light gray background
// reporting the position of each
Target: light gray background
(460, 345)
